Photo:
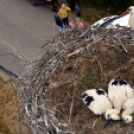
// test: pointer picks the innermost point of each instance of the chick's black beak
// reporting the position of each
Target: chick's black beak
(107, 122)
(123, 124)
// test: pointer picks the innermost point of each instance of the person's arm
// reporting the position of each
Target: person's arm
(60, 14)
(68, 9)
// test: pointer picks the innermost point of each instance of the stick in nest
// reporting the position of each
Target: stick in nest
(71, 107)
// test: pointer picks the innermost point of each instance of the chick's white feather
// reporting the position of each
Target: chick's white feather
(100, 103)
(118, 93)
(130, 91)
(129, 103)
(128, 110)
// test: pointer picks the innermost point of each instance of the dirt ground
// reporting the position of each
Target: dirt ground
(90, 70)
(8, 108)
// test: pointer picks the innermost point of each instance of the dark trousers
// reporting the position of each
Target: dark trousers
(78, 15)
(65, 21)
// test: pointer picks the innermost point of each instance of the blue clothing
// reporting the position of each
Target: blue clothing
(61, 29)
(78, 10)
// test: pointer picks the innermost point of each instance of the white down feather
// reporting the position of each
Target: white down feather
(100, 104)
(118, 94)
(128, 110)
(128, 104)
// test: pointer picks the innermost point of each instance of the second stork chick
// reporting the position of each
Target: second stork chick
(118, 93)
(97, 101)
(128, 110)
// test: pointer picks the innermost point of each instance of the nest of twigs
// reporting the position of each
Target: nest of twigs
(51, 94)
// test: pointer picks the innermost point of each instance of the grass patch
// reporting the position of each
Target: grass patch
(8, 109)
(4, 129)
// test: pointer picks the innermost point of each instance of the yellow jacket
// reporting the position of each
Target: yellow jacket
(63, 13)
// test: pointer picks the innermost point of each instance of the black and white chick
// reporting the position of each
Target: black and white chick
(97, 101)
(118, 93)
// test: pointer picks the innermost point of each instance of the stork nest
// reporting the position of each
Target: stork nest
(51, 94)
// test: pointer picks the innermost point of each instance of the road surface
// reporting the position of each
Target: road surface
(23, 29)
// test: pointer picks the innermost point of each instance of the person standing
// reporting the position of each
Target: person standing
(59, 24)
(78, 11)
(79, 24)
(72, 24)
(63, 13)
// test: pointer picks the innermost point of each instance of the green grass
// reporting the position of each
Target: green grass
(7, 108)
(133, 116)
(4, 129)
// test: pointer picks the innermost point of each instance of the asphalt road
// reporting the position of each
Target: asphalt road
(23, 29)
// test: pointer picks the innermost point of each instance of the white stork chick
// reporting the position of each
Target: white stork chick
(96, 100)
(118, 93)
(130, 10)
(128, 109)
